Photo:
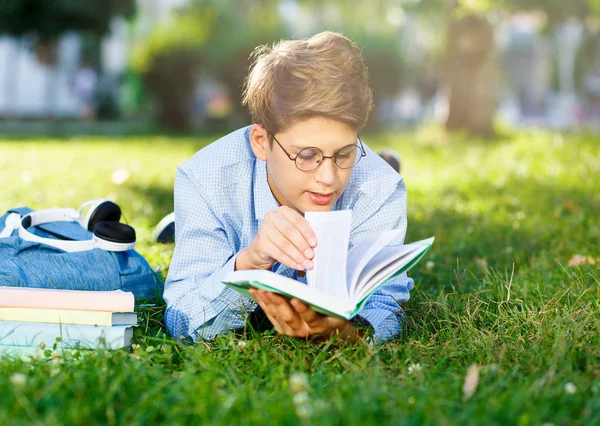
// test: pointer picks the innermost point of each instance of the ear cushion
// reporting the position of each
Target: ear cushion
(115, 232)
(106, 211)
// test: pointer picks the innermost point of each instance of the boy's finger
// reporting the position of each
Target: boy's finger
(289, 231)
(300, 222)
(308, 315)
(275, 252)
(259, 300)
(285, 252)
(284, 312)
(276, 324)
(271, 312)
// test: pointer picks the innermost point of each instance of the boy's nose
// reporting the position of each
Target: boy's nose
(325, 174)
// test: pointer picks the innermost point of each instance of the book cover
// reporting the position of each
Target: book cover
(67, 316)
(71, 336)
(26, 297)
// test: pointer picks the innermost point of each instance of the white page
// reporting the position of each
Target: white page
(384, 273)
(332, 230)
(384, 264)
(363, 252)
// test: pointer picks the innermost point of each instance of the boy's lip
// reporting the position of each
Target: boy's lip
(323, 194)
(320, 198)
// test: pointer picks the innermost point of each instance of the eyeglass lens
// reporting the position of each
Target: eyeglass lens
(310, 158)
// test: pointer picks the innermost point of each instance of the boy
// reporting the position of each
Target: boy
(239, 202)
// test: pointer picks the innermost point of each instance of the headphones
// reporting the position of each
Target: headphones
(102, 218)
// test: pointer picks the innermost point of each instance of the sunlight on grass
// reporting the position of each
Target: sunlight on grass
(495, 292)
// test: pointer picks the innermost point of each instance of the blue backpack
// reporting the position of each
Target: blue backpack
(30, 258)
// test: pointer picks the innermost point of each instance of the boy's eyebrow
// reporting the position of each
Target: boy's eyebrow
(312, 146)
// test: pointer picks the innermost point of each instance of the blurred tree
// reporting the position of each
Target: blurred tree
(47, 20)
(169, 60)
(471, 75)
(388, 69)
(470, 71)
(557, 11)
(43, 22)
(217, 37)
(210, 36)
(240, 28)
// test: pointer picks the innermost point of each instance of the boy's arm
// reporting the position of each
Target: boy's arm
(198, 304)
(383, 307)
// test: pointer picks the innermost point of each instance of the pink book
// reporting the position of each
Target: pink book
(26, 297)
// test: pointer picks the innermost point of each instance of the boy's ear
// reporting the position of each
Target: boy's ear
(259, 142)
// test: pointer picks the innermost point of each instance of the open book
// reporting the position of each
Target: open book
(342, 280)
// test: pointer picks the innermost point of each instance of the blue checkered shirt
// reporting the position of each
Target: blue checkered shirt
(221, 198)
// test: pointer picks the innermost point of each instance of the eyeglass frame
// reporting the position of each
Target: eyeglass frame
(363, 153)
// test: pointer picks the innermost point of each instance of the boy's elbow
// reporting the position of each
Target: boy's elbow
(178, 325)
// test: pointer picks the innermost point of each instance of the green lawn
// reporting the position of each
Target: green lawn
(495, 291)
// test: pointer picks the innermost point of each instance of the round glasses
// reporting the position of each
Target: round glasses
(309, 159)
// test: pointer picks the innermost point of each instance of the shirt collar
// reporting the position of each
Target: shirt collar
(264, 200)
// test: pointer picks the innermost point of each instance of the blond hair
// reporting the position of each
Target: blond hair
(294, 80)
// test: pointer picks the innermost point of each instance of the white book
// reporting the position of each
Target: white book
(342, 280)
(71, 336)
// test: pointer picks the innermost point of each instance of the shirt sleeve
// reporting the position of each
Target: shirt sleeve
(382, 311)
(199, 306)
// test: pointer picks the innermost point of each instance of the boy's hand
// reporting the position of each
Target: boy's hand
(284, 237)
(296, 319)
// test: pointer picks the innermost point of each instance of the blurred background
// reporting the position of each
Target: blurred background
(179, 65)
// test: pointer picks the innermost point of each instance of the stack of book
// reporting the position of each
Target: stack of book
(31, 318)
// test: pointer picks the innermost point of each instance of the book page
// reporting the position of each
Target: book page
(363, 252)
(332, 230)
(386, 263)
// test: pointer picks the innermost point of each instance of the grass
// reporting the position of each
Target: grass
(496, 291)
